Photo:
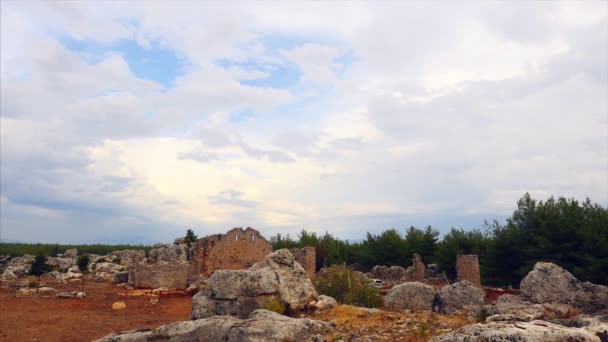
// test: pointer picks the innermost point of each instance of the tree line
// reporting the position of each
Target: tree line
(564, 231)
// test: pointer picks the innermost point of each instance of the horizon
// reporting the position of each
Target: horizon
(126, 122)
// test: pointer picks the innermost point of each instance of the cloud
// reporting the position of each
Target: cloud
(344, 118)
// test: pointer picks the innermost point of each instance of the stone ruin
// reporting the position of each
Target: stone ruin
(307, 257)
(179, 264)
(416, 271)
(467, 268)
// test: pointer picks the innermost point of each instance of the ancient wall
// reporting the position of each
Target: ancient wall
(467, 268)
(237, 249)
(307, 257)
(416, 271)
(173, 276)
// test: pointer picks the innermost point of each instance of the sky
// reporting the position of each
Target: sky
(130, 122)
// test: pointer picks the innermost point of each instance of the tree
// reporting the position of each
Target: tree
(83, 265)
(39, 267)
(190, 236)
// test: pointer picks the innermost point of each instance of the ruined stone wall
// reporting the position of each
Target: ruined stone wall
(416, 271)
(237, 249)
(307, 257)
(467, 268)
(173, 276)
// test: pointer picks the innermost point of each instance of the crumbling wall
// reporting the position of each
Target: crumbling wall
(237, 249)
(173, 276)
(307, 257)
(467, 268)
(416, 271)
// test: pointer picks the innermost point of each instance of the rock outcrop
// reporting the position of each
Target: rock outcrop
(535, 331)
(549, 283)
(168, 254)
(261, 326)
(325, 303)
(394, 273)
(515, 309)
(71, 253)
(460, 295)
(239, 292)
(410, 296)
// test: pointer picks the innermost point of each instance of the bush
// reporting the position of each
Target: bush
(274, 305)
(101, 260)
(32, 284)
(347, 287)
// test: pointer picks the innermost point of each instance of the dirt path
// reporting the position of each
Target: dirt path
(53, 319)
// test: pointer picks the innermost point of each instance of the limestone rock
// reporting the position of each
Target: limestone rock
(261, 326)
(460, 295)
(394, 273)
(61, 263)
(127, 256)
(513, 308)
(44, 291)
(71, 253)
(25, 292)
(410, 296)
(121, 277)
(239, 292)
(535, 331)
(108, 267)
(549, 283)
(325, 302)
(168, 254)
(119, 306)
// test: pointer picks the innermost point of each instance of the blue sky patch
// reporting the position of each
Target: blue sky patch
(154, 63)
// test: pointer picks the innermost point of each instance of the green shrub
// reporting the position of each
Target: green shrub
(347, 287)
(32, 283)
(274, 305)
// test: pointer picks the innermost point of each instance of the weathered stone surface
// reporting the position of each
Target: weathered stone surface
(108, 267)
(410, 296)
(239, 292)
(71, 253)
(119, 306)
(549, 283)
(461, 294)
(513, 308)
(535, 331)
(153, 276)
(261, 326)
(168, 254)
(394, 273)
(597, 325)
(325, 302)
(62, 263)
(127, 256)
(45, 291)
(120, 277)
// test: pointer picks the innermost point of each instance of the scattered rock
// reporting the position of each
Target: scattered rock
(71, 253)
(460, 295)
(168, 254)
(410, 296)
(25, 292)
(81, 295)
(261, 326)
(44, 291)
(535, 331)
(394, 273)
(549, 283)
(119, 306)
(325, 302)
(240, 292)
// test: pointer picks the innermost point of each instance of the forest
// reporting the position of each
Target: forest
(564, 231)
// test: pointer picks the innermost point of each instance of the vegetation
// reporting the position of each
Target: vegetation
(347, 287)
(274, 305)
(571, 234)
(190, 236)
(51, 250)
(39, 267)
(83, 265)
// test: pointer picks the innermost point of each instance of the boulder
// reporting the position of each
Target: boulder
(597, 325)
(325, 302)
(535, 331)
(71, 253)
(239, 292)
(119, 306)
(549, 283)
(394, 273)
(460, 295)
(45, 291)
(61, 263)
(168, 254)
(25, 292)
(261, 326)
(121, 277)
(410, 296)
(127, 256)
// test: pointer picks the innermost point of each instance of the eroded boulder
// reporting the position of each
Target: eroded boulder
(549, 283)
(168, 254)
(535, 331)
(261, 326)
(239, 292)
(460, 295)
(410, 296)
